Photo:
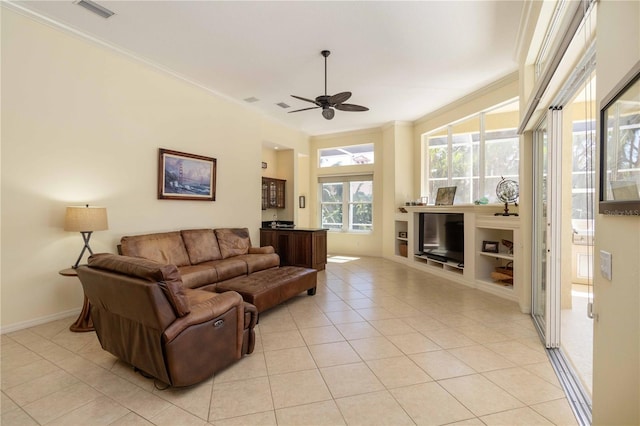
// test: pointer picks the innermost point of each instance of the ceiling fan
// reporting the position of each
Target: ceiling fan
(328, 103)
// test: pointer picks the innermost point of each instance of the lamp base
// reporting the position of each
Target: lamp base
(86, 236)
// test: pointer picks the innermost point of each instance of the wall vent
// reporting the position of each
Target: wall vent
(95, 8)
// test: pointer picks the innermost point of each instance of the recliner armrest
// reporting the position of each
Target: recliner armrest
(204, 311)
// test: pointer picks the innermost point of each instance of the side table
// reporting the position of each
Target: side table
(84, 322)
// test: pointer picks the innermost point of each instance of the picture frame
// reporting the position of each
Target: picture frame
(490, 246)
(183, 176)
(445, 195)
(619, 140)
(402, 234)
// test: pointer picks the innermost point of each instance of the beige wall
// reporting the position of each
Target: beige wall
(83, 124)
(303, 219)
(616, 355)
(397, 141)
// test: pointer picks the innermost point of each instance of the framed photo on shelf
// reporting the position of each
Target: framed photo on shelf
(490, 246)
(446, 195)
(183, 176)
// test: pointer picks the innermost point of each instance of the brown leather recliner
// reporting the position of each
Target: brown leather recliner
(143, 315)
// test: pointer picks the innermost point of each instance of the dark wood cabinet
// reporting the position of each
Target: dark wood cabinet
(273, 192)
(298, 247)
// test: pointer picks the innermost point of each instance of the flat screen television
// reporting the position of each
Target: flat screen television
(441, 236)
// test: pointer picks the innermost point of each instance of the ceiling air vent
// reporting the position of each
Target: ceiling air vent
(251, 100)
(95, 8)
(283, 105)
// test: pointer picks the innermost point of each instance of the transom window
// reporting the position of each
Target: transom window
(346, 203)
(346, 155)
(473, 154)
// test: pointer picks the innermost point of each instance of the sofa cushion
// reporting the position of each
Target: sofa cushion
(228, 268)
(165, 247)
(194, 276)
(167, 276)
(201, 245)
(233, 241)
(260, 262)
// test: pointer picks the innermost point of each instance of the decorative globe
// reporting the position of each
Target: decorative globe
(507, 191)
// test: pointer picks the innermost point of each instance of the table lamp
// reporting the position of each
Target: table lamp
(85, 220)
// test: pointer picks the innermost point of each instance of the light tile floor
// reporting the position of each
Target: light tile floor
(577, 337)
(379, 344)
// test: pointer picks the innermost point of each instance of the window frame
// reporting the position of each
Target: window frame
(347, 203)
(448, 131)
(345, 150)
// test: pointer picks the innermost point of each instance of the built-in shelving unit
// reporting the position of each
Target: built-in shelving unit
(445, 265)
(500, 232)
(401, 235)
(489, 261)
(482, 229)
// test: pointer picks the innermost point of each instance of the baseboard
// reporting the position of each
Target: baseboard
(38, 321)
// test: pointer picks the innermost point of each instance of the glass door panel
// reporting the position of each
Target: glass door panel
(547, 228)
(540, 221)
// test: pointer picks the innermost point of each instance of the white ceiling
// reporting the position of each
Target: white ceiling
(400, 59)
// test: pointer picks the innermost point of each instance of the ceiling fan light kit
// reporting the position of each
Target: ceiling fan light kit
(328, 103)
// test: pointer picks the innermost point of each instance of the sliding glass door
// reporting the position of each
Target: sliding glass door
(540, 221)
(546, 227)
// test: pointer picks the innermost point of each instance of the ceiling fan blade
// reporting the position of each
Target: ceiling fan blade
(351, 107)
(339, 98)
(304, 99)
(304, 109)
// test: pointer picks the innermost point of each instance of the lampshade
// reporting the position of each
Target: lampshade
(85, 219)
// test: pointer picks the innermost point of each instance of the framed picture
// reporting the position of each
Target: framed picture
(619, 147)
(183, 176)
(490, 246)
(445, 195)
(402, 234)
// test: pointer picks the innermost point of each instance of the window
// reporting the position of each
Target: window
(346, 155)
(473, 154)
(553, 28)
(583, 172)
(346, 202)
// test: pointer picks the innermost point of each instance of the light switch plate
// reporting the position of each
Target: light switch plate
(605, 264)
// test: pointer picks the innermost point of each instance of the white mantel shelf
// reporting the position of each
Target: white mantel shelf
(484, 209)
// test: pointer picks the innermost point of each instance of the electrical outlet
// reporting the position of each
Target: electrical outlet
(605, 264)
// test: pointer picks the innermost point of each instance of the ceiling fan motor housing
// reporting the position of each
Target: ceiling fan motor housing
(328, 113)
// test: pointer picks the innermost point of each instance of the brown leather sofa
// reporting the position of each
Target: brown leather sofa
(204, 257)
(221, 260)
(144, 315)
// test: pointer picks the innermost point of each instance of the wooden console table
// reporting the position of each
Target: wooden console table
(84, 322)
(297, 246)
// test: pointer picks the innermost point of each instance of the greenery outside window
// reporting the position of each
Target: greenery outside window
(346, 155)
(473, 154)
(346, 202)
